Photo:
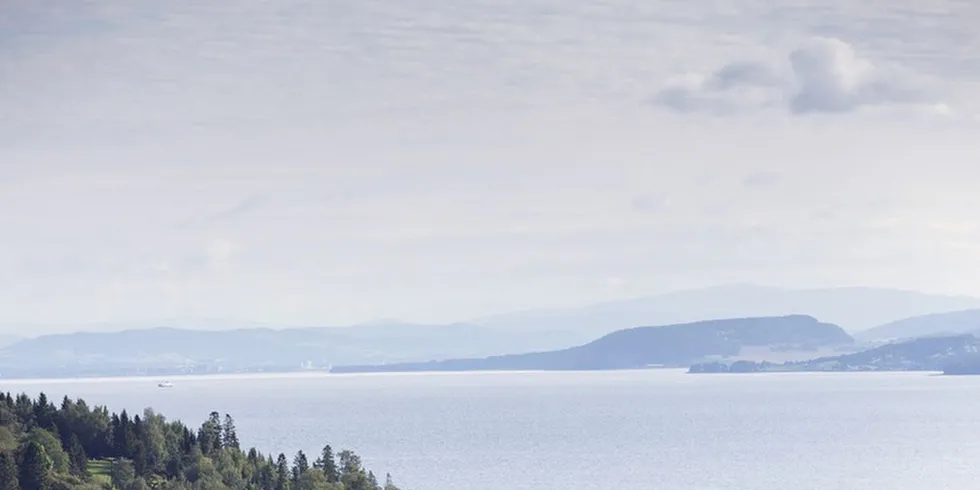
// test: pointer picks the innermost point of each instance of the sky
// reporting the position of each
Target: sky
(298, 163)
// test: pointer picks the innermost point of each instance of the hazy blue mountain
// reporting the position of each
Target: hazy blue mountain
(853, 308)
(130, 351)
(922, 354)
(953, 322)
(259, 347)
(6, 340)
(672, 345)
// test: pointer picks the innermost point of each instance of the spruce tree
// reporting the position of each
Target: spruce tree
(43, 412)
(282, 473)
(35, 468)
(8, 471)
(301, 464)
(229, 434)
(77, 456)
(121, 427)
(329, 465)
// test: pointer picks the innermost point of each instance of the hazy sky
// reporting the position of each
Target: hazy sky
(303, 162)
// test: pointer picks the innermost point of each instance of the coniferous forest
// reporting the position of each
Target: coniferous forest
(73, 446)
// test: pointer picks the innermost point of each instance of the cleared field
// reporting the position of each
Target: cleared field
(99, 470)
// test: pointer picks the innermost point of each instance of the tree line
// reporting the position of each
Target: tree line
(76, 447)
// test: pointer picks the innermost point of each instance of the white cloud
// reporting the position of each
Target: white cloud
(824, 75)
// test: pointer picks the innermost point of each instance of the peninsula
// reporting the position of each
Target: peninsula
(955, 354)
(664, 346)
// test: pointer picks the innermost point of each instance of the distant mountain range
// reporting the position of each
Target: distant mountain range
(853, 308)
(874, 315)
(161, 350)
(6, 340)
(672, 345)
(954, 322)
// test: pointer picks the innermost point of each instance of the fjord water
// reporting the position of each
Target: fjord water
(629, 429)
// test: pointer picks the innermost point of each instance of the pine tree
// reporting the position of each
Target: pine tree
(35, 468)
(121, 427)
(329, 465)
(267, 476)
(8, 471)
(77, 456)
(209, 435)
(282, 473)
(230, 435)
(43, 412)
(301, 464)
(24, 408)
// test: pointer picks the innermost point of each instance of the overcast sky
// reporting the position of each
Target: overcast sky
(326, 163)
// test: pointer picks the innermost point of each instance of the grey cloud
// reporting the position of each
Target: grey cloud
(824, 75)
(832, 78)
(733, 87)
(742, 74)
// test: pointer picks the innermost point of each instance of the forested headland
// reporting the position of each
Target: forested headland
(73, 446)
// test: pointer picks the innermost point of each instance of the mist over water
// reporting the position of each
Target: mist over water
(627, 429)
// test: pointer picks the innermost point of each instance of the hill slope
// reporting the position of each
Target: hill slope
(673, 345)
(853, 308)
(923, 354)
(953, 322)
(6, 340)
(181, 350)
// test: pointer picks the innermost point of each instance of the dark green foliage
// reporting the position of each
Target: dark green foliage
(229, 434)
(300, 466)
(35, 467)
(71, 446)
(43, 412)
(9, 479)
(282, 473)
(209, 435)
(328, 464)
(76, 455)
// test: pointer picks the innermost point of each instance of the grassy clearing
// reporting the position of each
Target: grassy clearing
(99, 470)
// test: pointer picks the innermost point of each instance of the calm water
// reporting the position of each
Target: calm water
(630, 430)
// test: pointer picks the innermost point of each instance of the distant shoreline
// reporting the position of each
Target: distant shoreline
(176, 379)
(309, 374)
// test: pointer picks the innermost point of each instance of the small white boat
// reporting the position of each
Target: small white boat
(165, 384)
